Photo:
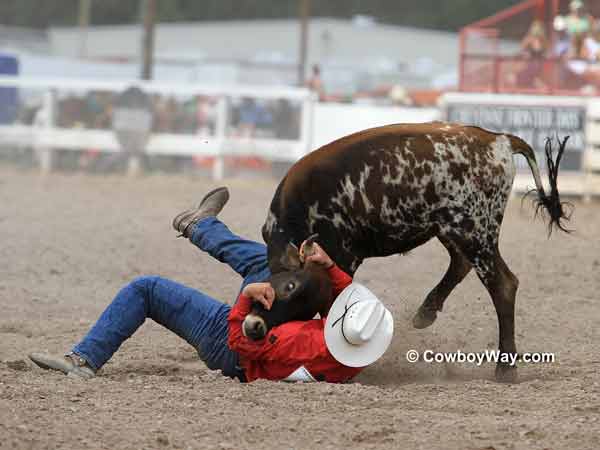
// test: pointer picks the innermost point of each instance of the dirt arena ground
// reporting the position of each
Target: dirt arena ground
(69, 242)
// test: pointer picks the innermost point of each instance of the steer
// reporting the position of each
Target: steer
(388, 190)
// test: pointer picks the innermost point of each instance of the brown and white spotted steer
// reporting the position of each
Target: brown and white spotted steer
(388, 190)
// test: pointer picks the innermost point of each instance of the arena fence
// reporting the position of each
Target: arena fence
(215, 124)
(173, 119)
(212, 125)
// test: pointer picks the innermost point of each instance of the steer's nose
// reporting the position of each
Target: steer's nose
(254, 327)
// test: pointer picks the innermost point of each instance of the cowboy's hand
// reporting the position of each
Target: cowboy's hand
(316, 255)
(262, 293)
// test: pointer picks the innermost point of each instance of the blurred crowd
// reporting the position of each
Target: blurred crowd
(575, 46)
(247, 117)
(277, 119)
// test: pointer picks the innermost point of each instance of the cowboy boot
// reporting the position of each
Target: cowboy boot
(210, 206)
(70, 364)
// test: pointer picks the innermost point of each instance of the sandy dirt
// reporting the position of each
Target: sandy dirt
(69, 242)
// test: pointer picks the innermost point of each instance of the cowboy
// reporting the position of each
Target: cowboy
(578, 22)
(356, 332)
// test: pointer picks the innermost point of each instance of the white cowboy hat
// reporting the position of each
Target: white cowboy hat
(358, 329)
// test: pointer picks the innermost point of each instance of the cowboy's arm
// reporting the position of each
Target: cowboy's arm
(339, 278)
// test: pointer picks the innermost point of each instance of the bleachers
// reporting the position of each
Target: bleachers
(492, 58)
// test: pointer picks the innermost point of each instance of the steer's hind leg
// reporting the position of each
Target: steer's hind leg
(502, 285)
(457, 270)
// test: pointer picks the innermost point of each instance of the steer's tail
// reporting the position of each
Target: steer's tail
(549, 202)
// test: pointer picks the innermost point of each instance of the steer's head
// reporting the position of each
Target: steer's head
(301, 291)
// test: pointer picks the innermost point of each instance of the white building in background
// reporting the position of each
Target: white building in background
(354, 54)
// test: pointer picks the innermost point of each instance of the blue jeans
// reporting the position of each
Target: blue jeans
(199, 319)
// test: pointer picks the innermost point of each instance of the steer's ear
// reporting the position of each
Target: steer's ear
(291, 258)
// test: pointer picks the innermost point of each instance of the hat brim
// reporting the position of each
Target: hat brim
(356, 355)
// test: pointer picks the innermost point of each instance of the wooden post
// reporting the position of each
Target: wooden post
(85, 7)
(306, 123)
(462, 39)
(304, 16)
(45, 126)
(149, 17)
(148, 13)
(218, 169)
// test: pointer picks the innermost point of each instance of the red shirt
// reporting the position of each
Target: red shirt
(289, 346)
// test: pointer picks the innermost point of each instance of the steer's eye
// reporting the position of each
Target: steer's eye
(290, 286)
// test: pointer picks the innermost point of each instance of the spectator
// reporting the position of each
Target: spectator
(562, 42)
(248, 114)
(534, 47)
(578, 22)
(562, 51)
(576, 51)
(590, 57)
(591, 45)
(285, 120)
(535, 43)
(315, 83)
(205, 115)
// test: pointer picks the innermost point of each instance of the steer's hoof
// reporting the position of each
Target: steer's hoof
(505, 373)
(424, 317)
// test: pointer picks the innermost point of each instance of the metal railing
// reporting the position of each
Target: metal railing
(522, 75)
